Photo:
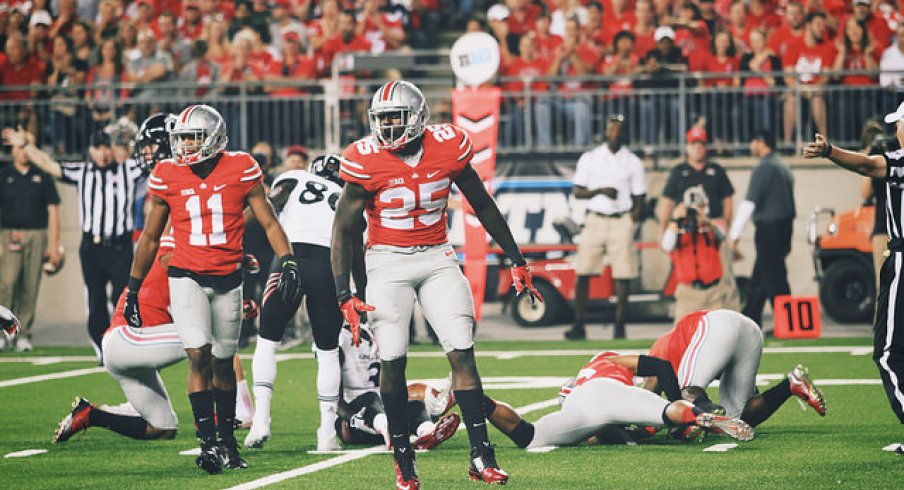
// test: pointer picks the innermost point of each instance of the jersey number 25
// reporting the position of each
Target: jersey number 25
(399, 218)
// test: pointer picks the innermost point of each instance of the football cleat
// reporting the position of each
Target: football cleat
(687, 433)
(720, 424)
(444, 429)
(229, 449)
(211, 458)
(259, 434)
(326, 439)
(803, 388)
(484, 468)
(75, 422)
(406, 471)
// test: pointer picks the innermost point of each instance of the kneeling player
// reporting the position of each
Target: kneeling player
(362, 417)
(726, 345)
(604, 396)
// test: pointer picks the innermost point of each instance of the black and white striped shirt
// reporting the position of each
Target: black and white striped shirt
(106, 196)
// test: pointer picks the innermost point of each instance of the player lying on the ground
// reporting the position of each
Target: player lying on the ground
(362, 417)
(604, 396)
(726, 345)
(134, 358)
(305, 202)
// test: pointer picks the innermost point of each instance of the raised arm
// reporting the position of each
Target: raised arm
(871, 166)
(19, 137)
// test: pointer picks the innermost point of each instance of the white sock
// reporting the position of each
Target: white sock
(263, 369)
(381, 425)
(244, 406)
(425, 428)
(329, 374)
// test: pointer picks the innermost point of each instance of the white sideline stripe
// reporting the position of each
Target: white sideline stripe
(720, 448)
(34, 452)
(47, 377)
(503, 355)
(351, 456)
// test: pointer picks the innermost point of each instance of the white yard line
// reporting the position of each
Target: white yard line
(351, 456)
(47, 377)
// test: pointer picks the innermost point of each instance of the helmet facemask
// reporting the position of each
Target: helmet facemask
(397, 115)
(200, 138)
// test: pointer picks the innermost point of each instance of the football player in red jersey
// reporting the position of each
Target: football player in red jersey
(726, 345)
(603, 396)
(401, 176)
(205, 190)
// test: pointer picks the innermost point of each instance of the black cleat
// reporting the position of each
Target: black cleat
(229, 449)
(211, 458)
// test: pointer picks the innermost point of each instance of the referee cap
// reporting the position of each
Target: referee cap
(101, 138)
(896, 116)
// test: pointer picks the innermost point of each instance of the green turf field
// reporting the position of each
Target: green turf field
(794, 449)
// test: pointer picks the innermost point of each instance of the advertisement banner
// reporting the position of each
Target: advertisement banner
(477, 112)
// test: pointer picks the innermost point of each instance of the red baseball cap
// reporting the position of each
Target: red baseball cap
(291, 36)
(297, 149)
(696, 134)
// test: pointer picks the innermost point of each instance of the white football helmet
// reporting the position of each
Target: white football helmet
(198, 133)
(403, 102)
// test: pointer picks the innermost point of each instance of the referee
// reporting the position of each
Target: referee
(888, 340)
(106, 191)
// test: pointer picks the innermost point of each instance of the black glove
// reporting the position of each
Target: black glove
(289, 285)
(130, 309)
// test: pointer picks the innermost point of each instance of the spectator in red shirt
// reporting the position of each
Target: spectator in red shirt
(345, 41)
(383, 30)
(294, 66)
(67, 16)
(296, 115)
(759, 101)
(876, 25)
(39, 41)
(691, 33)
(327, 26)
(763, 15)
(546, 43)
(20, 69)
(714, 22)
(282, 23)
(522, 16)
(102, 95)
(618, 18)
(200, 71)
(791, 32)
(528, 65)
(190, 25)
(144, 15)
(63, 74)
(664, 11)
(804, 61)
(856, 52)
(575, 57)
(593, 29)
(170, 40)
(723, 107)
(624, 61)
(218, 45)
(738, 26)
(644, 28)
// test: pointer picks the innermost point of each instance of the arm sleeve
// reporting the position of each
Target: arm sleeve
(745, 211)
(72, 172)
(665, 375)
(638, 179)
(50, 191)
(352, 171)
(760, 179)
(671, 186)
(669, 240)
(727, 188)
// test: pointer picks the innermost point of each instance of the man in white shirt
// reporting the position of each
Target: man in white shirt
(612, 179)
(893, 61)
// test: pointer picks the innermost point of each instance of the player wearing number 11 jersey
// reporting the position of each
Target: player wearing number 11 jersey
(205, 190)
(400, 176)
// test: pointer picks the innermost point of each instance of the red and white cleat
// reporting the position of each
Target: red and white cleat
(75, 422)
(735, 428)
(802, 387)
(444, 429)
(484, 468)
(406, 472)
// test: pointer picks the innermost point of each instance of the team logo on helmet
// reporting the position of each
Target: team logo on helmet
(398, 114)
(152, 144)
(327, 166)
(198, 134)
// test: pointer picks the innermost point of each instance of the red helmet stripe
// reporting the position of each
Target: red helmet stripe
(387, 91)
(186, 113)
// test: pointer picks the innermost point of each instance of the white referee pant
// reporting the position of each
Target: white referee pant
(134, 356)
(726, 346)
(593, 406)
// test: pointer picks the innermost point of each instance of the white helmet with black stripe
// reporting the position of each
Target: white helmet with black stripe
(398, 114)
(198, 134)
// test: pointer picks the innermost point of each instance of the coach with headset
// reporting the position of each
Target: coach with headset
(106, 195)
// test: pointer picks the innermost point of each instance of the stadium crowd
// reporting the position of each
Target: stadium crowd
(54, 45)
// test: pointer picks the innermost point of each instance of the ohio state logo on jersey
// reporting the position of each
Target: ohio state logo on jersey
(410, 194)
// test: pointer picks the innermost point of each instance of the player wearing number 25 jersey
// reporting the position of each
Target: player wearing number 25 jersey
(400, 177)
(204, 190)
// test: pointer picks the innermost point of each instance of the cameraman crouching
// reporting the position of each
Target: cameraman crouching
(692, 242)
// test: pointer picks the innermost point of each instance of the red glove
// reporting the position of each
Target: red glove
(352, 308)
(250, 310)
(522, 281)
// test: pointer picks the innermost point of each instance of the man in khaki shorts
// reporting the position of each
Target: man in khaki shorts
(611, 177)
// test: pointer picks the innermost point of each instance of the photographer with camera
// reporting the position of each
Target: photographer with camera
(692, 242)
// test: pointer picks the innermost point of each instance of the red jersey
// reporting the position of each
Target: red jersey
(207, 214)
(28, 73)
(153, 298)
(673, 344)
(408, 206)
(810, 61)
(547, 46)
(782, 39)
(300, 68)
(601, 367)
(712, 64)
(518, 67)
